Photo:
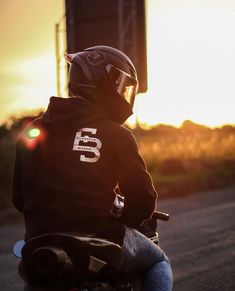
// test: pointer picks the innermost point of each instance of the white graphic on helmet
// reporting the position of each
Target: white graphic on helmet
(81, 136)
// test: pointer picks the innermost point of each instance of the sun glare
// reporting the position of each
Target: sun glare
(37, 85)
(190, 65)
(190, 49)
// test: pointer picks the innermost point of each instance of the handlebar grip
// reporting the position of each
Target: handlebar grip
(161, 215)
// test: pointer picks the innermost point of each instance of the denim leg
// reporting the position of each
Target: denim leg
(159, 277)
(143, 258)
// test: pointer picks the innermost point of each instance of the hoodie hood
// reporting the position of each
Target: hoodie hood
(67, 114)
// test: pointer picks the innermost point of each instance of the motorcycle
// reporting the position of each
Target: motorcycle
(65, 262)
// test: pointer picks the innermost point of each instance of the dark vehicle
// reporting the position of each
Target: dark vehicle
(66, 262)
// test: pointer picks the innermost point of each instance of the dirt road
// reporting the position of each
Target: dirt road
(199, 240)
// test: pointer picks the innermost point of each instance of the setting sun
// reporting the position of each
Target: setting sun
(190, 63)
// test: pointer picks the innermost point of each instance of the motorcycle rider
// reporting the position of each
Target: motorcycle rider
(70, 160)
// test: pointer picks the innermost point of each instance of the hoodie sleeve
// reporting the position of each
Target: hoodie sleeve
(16, 182)
(135, 184)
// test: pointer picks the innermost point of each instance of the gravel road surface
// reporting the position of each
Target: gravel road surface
(200, 240)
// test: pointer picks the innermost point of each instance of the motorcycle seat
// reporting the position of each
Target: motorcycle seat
(74, 245)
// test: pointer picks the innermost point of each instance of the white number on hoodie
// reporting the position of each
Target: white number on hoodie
(82, 136)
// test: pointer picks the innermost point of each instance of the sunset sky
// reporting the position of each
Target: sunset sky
(191, 53)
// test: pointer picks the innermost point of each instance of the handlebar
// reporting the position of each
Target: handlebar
(161, 216)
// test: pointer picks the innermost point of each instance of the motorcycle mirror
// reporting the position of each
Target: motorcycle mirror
(17, 248)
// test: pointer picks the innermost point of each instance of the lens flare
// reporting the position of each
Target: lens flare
(33, 136)
(33, 132)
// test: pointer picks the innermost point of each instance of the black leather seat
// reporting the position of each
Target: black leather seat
(73, 245)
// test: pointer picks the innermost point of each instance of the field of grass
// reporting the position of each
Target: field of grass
(181, 160)
(188, 159)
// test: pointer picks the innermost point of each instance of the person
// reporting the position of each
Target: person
(70, 161)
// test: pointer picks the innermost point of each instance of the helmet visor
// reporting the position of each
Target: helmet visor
(123, 83)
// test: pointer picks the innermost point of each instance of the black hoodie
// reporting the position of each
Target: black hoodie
(68, 163)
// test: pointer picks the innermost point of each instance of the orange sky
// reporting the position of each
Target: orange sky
(28, 54)
(191, 56)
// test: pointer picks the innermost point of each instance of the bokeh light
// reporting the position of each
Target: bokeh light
(33, 132)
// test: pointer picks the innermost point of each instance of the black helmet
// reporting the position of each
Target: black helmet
(105, 76)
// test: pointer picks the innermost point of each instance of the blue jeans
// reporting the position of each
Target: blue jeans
(144, 258)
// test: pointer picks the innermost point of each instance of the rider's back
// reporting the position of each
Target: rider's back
(67, 179)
